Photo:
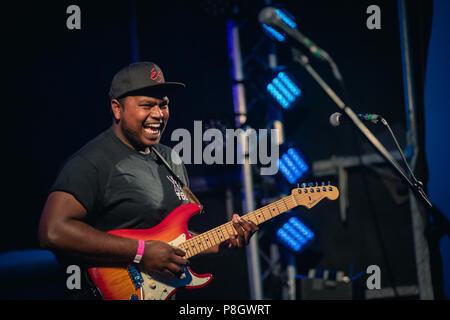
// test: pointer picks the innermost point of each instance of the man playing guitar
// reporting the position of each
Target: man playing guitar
(116, 181)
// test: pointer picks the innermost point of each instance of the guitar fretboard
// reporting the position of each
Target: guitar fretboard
(209, 239)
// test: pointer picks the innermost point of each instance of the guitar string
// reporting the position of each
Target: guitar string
(227, 227)
(206, 236)
(291, 203)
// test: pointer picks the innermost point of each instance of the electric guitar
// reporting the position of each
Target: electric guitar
(131, 283)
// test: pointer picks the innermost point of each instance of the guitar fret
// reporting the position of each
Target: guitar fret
(200, 242)
(293, 203)
(194, 247)
(261, 215)
(215, 236)
(284, 203)
(273, 208)
(248, 217)
(229, 229)
(208, 240)
(209, 243)
(205, 242)
(220, 234)
(187, 249)
(270, 213)
(279, 206)
(257, 221)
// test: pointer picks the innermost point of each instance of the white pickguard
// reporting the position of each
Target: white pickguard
(156, 287)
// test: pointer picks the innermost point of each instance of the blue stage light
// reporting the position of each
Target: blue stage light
(280, 86)
(286, 172)
(300, 227)
(284, 90)
(289, 83)
(278, 96)
(292, 165)
(279, 35)
(298, 160)
(295, 235)
(286, 17)
(288, 241)
(274, 34)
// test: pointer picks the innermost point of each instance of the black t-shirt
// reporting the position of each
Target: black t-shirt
(119, 187)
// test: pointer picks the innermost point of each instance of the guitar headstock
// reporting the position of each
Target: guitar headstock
(310, 194)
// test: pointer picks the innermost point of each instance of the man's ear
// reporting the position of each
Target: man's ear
(116, 109)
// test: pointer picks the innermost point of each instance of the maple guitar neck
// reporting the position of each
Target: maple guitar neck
(308, 197)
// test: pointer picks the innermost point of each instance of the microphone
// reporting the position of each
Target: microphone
(336, 119)
(273, 17)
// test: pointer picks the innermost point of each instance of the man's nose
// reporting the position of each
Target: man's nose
(156, 112)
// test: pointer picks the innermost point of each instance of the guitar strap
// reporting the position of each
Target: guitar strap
(189, 194)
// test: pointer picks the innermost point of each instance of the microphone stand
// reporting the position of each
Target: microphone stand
(416, 186)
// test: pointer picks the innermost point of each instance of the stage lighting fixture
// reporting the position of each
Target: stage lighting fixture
(284, 90)
(274, 34)
(286, 17)
(293, 165)
(295, 235)
(278, 35)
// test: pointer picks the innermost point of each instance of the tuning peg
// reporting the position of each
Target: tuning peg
(329, 183)
(303, 185)
(317, 184)
(323, 183)
(310, 184)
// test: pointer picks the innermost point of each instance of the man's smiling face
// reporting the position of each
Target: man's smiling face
(140, 120)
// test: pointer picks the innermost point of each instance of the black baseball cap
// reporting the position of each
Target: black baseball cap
(141, 78)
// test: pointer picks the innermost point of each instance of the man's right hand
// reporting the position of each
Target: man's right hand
(162, 258)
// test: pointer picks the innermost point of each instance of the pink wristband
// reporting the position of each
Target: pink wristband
(140, 251)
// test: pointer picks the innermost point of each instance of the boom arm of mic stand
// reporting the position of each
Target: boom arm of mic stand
(303, 60)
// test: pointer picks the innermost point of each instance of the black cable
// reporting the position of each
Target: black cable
(386, 124)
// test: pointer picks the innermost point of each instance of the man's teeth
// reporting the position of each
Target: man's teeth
(153, 128)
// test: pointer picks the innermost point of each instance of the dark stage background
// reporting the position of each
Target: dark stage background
(58, 101)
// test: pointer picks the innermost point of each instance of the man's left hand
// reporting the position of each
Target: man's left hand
(244, 228)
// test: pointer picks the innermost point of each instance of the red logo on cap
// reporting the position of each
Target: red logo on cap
(155, 76)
